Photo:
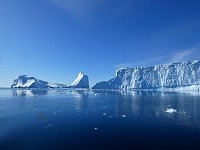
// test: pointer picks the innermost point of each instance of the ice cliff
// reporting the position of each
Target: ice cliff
(24, 81)
(173, 75)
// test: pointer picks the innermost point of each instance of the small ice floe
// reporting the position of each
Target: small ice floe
(95, 128)
(95, 94)
(104, 114)
(85, 92)
(123, 116)
(171, 111)
(54, 113)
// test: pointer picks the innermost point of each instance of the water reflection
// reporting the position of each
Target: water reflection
(154, 104)
(87, 117)
(142, 104)
(29, 92)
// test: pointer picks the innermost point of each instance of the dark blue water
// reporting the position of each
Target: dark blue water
(98, 120)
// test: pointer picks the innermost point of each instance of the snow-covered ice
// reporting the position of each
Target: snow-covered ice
(82, 81)
(171, 110)
(182, 75)
(25, 81)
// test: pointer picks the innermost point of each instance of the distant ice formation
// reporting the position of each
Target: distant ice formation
(30, 82)
(82, 81)
(180, 76)
(23, 81)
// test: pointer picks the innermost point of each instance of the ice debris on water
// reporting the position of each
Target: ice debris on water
(171, 110)
(123, 116)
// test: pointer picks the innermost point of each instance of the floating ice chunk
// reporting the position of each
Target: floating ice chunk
(171, 111)
(123, 116)
(104, 114)
(95, 128)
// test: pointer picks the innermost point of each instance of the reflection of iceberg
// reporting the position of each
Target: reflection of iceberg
(144, 104)
(144, 92)
(79, 93)
(157, 92)
(31, 92)
(150, 104)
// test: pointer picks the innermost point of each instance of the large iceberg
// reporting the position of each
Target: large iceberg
(175, 75)
(24, 81)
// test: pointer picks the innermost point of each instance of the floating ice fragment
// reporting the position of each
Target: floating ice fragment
(171, 111)
(104, 114)
(123, 116)
(95, 128)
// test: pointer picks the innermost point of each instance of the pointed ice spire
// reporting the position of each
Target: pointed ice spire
(82, 81)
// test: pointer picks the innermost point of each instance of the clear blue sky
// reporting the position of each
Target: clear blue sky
(56, 39)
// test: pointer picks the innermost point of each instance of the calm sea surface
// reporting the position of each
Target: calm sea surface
(98, 120)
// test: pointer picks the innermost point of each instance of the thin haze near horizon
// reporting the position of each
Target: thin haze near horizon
(54, 40)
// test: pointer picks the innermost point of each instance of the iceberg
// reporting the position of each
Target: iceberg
(182, 76)
(24, 81)
(82, 81)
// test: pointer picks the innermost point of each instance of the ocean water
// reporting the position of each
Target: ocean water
(98, 120)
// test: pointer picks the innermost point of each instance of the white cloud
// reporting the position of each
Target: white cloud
(78, 8)
(154, 60)
(178, 56)
(184, 55)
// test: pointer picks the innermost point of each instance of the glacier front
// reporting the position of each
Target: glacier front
(175, 75)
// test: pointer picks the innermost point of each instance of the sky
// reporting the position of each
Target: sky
(54, 40)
